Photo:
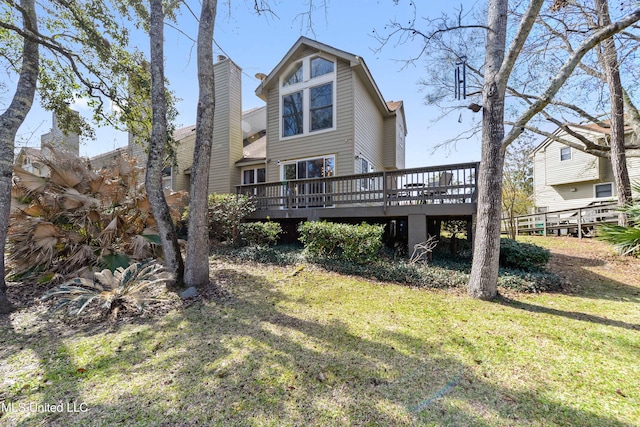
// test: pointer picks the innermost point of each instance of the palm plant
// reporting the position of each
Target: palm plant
(78, 220)
(625, 239)
(116, 290)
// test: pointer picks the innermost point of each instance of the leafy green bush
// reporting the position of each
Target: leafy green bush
(441, 274)
(260, 233)
(355, 243)
(226, 212)
(280, 255)
(523, 256)
(527, 281)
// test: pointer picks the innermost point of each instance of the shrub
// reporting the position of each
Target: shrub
(116, 290)
(527, 281)
(279, 255)
(625, 239)
(522, 256)
(260, 233)
(355, 243)
(226, 212)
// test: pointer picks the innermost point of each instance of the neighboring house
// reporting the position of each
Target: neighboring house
(567, 178)
(30, 159)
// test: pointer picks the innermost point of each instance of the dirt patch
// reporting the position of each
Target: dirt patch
(575, 260)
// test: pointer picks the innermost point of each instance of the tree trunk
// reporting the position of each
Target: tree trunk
(10, 122)
(484, 271)
(157, 148)
(609, 59)
(197, 263)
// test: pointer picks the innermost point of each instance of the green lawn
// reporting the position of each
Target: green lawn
(298, 347)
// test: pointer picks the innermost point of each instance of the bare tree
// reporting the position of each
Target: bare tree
(10, 121)
(609, 57)
(197, 263)
(498, 69)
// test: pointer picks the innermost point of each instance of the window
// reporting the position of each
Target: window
(310, 168)
(292, 116)
(565, 154)
(365, 167)
(254, 176)
(320, 67)
(166, 178)
(308, 97)
(603, 191)
(321, 106)
(295, 76)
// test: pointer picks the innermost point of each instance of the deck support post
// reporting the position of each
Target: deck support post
(417, 231)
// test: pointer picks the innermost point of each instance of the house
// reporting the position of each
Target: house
(325, 138)
(324, 116)
(567, 178)
(30, 159)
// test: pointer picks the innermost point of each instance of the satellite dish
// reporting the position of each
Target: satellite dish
(261, 76)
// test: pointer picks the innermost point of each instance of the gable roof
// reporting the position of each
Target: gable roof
(585, 129)
(356, 63)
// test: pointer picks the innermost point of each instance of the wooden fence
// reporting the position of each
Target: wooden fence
(577, 222)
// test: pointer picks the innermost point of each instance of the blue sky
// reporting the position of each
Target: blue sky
(257, 43)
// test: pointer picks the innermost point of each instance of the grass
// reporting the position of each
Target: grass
(292, 346)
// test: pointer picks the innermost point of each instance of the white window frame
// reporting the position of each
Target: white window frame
(304, 86)
(167, 179)
(364, 183)
(570, 154)
(595, 193)
(306, 159)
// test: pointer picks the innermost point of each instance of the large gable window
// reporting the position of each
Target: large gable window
(292, 114)
(294, 76)
(320, 67)
(307, 102)
(321, 106)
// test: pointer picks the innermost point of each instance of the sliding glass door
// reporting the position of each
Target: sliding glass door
(308, 194)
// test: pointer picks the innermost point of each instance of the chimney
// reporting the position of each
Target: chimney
(227, 130)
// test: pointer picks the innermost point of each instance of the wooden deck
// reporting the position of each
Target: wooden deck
(438, 191)
(576, 222)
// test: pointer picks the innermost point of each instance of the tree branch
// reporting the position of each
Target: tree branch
(565, 71)
(526, 24)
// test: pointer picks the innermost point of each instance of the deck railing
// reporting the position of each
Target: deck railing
(579, 221)
(427, 185)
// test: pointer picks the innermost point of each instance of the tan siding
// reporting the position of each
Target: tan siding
(227, 134)
(400, 141)
(184, 160)
(337, 142)
(368, 127)
(137, 151)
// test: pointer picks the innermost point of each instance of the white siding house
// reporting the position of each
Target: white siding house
(567, 178)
